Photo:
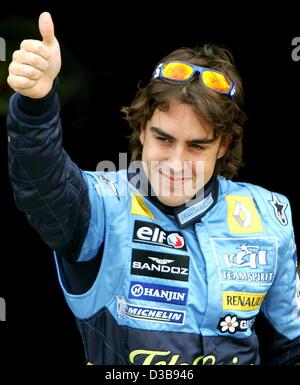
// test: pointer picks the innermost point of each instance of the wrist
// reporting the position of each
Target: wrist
(37, 107)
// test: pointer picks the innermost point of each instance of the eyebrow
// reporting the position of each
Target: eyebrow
(159, 131)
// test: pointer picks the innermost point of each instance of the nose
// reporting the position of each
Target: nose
(176, 159)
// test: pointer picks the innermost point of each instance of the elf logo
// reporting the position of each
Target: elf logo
(146, 232)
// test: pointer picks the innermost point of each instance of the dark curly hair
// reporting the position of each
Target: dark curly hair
(225, 115)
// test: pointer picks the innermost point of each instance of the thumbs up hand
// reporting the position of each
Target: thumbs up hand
(36, 64)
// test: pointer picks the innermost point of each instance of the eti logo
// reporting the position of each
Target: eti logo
(250, 261)
(247, 256)
(296, 51)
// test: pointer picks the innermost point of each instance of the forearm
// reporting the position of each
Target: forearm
(48, 187)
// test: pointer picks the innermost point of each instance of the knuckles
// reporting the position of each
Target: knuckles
(16, 55)
(30, 59)
(35, 46)
(30, 73)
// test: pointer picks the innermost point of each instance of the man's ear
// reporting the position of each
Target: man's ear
(142, 135)
(224, 146)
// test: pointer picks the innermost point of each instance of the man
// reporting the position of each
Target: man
(168, 262)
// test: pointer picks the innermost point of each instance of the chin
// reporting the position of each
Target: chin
(173, 201)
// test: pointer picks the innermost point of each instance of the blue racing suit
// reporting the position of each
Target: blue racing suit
(150, 284)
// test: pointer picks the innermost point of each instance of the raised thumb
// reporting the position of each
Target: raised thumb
(46, 28)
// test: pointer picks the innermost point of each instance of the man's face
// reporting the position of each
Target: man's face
(179, 152)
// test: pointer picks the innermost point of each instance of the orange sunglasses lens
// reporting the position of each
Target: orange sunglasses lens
(177, 71)
(216, 81)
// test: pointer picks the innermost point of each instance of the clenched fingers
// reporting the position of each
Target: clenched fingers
(25, 70)
(20, 82)
(35, 46)
(31, 59)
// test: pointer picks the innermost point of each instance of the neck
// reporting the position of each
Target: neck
(186, 214)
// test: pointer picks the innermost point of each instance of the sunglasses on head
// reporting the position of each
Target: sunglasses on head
(182, 71)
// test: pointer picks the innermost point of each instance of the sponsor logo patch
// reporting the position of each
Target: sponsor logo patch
(243, 216)
(247, 256)
(158, 293)
(232, 324)
(249, 261)
(139, 207)
(145, 232)
(111, 183)
(279, 209)
(195, 210)
(160, 265)
(242, 301)
(159, 357)
(146, 313)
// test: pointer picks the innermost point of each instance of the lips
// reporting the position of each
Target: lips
(171, 179)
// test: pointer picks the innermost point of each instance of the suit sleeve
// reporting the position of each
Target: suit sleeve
(280, 338)
(47, 185)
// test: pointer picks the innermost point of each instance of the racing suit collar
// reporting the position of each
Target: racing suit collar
(187, 213)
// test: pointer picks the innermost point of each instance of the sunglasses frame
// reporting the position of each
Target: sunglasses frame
(158, 74)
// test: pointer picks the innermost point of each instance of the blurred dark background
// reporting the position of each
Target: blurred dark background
(107, 51)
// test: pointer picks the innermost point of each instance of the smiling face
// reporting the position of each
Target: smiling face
(179, 153)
